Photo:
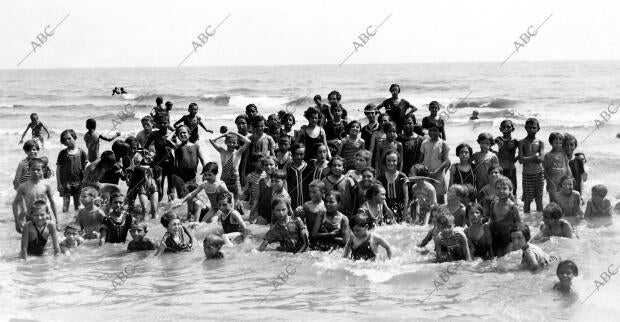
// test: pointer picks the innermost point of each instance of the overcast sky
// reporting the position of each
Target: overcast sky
(160, 33)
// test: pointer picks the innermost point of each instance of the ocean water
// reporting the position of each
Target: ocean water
(564, 96)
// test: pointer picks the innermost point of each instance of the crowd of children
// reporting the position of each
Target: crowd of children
(322, 187)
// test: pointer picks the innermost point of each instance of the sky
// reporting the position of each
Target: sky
(107, 34)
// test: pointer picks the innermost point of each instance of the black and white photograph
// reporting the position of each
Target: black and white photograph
(309, 160)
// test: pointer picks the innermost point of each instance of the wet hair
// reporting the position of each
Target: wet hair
(395, 85)
(523, 228)
(370, 108)
(370, 169)
(365, 154)
(348, 127)
(556, 135)
(257, 119)
(72, 226)
(566, 177)
(373, 191)
(65, 132)
(159, 100)
(363, 220)
(532, 120)
(464, 146)
(224, 196)
(213, 240)
(278, 174)
(600, 190)
(178, 129)
(120, 149)
(250, 106)
(167, 218)
(420, 170)
(211, 167)
(503, 180)
(242, 117)
(336, 194)
(336, 93)
(90, 191)
(334, 159)
(39, 203)
(34, 161)
(390, 152)
(459, 190)
(506, 123)
(388, 126)
(485, 136)
(567, 138)
(445, 219)
(310, 111)
(570, 265)
(148, 118)
(31, 144)
(495, 167)
(256, 157)
(107, 158)
(91, 124)
(552, 211)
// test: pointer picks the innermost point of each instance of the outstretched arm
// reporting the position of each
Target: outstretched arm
(388, 249)
(105, 138)
(204, 127)
(24, 134)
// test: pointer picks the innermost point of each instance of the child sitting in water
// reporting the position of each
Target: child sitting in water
(433, 233)
(376, 206)
(453, 243)
(90, 217)
(212, 245)
(554, 224)
(598, 206)
(289, 232)
(72, 239)
(363, 243)
(569, 199)
(139, 242)
(566, 271)
(533, 257)
(331, 228)
(422, 194)
(456, 194)
(116, 224)
(177, 238)
(28, 192)
(478, 234)
(35, 236)
(231, 220)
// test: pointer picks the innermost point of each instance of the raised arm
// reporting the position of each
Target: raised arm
(204, 127)
(215, 146)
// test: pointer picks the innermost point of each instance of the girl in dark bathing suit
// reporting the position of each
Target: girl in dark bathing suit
(34, 236)
(232, 222)
(504, 215)
(331, 229)
(312, 135)
(177, 238)
(364, 244)
(116, 224)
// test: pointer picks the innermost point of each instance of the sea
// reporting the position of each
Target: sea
(577, 97)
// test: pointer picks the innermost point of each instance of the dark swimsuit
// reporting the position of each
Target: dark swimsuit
(500, 230)
(117, 231)
(37, 247)
(173, 246)
(228, 226)
(363, 251)
(327, 243)
(311, 144)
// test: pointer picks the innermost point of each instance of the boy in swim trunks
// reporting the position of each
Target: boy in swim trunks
(37, 129)
(531, 152)
(33, 189)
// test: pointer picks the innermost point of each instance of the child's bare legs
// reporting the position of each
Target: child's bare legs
(76, 202)
(539, 204)
(153, 199)
(526, 206)
(66, 200)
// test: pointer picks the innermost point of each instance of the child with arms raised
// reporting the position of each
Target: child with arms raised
(70, 170)
(92, 139)
(289, 232)
(531, 151)
(29, 192)
(91, 216)
(177, 238)
(38, 230)
(116, 224)
(331, 228)
(363, 243)
(231, 159)
(555, 164)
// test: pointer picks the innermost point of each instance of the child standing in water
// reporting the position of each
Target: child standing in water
(363, 243)
(531, 151)
(298, 176)
(231, 159)
(177, 238)
(313, 209)
(576, 161)
(435, 157)
(453, 245)
(312, 135)
(278, 184)
(397, 188)
(336, 180)
(555, 164)
(289, 232)
(250, 192)
(139, 242)
(91, 216)
(212, 188)
(484, 160)
(434, 120)
(390, 144)
(378, 137)
(70, 170)
(192, 121)
(37, 130)
(116, 224)
(504, 215)
(261, 212)
(351, 145)
(245, 167)
(566, 271)
(164, 157)
(186, 158)
(251, 111)
(412, 143)
(478, 234)
(35, 236)
(463, 172)
(507, 153)
(147, 129)
(92, 139)
(568, 199)
(31, 191)
(533, 257)
(331, 228)
(335, 128)
(22, 174)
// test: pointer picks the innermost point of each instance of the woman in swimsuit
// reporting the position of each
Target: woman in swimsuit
(504, 215)
(311, 135)
(331, 229)
(177, 238)
(376, 206)
(34, 236)
(364, 244)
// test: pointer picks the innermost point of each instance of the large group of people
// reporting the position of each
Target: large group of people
(324, 186)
